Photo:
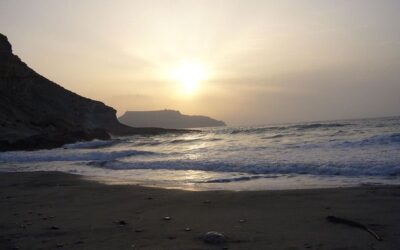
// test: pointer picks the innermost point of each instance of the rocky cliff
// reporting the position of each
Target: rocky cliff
(167, 119)
(37, 113)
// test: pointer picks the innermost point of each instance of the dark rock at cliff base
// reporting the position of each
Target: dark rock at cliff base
(37, 113)
(167, 119)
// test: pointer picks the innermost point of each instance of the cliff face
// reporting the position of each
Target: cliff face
(167, 119)
(38, 113)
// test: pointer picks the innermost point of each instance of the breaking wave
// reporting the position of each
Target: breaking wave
(300, 127)
(359, 169)
(66, 155)
(92, 144)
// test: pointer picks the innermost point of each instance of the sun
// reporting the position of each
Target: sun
(189, 75)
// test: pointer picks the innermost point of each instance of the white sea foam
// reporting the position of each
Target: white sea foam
(66, 155)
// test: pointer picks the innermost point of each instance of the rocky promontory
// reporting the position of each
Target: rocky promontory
(38, 113)
(171, 119)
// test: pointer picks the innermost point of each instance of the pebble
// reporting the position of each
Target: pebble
(54, 228)
(122, 223)
(167, 218)
(214, 238)
(188, 229)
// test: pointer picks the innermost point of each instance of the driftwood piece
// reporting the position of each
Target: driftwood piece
(351, 223)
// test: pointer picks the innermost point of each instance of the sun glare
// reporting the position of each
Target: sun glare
(189, 75)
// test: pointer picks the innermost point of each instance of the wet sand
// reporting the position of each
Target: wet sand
(47, 210)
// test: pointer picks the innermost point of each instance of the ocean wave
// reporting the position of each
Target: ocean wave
(349, 169)
(66, 155)
(274, 136)
(319, 125)
(91, 144)
(178, 141)
(236, 179)
(384, 139)
(146, 143)
(300, 127)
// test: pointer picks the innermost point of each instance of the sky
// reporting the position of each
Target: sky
(245, 62)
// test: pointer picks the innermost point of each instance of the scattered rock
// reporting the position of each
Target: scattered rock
(122, 223)
(167, 218)
(188, 229)
(214, 238)
(242, 221)
(54, 228)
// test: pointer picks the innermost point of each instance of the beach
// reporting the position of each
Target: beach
(52, 210)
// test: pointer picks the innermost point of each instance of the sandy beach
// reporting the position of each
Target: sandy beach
(49, 210)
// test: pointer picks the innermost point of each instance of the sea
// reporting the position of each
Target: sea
(304, 155)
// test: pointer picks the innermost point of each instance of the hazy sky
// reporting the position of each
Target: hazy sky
(260, 61)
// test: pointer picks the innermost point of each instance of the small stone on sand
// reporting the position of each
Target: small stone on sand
(188, 229)
(214, 238)
(167, 218)
(122, 223)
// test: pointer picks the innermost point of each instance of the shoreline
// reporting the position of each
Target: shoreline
(84, 213)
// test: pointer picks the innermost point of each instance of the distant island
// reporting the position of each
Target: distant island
(37, 113)
(167, 119)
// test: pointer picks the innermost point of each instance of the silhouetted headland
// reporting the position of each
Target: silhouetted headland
(37, 113)
(167, 119)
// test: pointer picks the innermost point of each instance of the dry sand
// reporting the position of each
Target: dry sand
(60, 211)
